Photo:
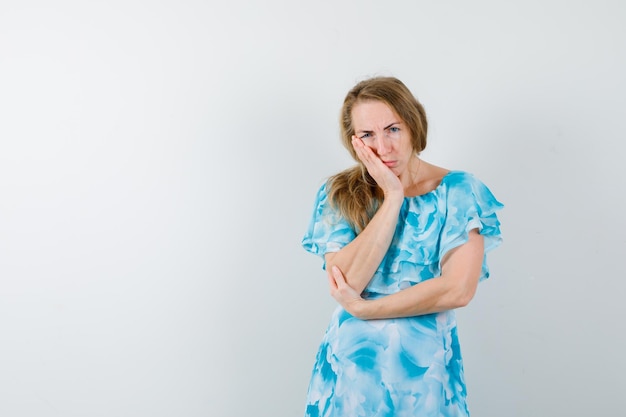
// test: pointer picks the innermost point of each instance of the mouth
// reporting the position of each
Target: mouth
(390, 164)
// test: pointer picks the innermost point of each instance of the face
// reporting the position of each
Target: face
(384, 132)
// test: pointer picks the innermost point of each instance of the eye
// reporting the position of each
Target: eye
(394, 129)
(365, 136)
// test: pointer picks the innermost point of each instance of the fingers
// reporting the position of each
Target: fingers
(332, 279)
(372, 163)
(362, 150)
(336, 280)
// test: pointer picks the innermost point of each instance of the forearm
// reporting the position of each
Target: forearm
(431, 296)
(360, 258)
(455, 287)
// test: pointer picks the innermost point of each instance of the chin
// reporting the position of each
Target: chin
(399, 170)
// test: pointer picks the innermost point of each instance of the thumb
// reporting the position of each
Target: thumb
(338, 275)
(332, 282)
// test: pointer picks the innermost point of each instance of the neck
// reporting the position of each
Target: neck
(414, 174)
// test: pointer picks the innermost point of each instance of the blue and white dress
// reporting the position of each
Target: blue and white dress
(405, 366)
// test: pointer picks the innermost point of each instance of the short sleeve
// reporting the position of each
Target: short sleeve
(470, 205)
(328, 231)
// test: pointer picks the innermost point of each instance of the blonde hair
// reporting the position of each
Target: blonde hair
(353, 191)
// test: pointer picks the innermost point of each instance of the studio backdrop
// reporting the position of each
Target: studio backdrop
(158, 167)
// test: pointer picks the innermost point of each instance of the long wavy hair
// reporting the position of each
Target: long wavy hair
(353, 191)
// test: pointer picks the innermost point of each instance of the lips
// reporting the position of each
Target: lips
(389, 163)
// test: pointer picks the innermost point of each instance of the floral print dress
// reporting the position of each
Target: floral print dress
(404, 366)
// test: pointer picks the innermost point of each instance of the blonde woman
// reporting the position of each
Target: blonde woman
(404, 244)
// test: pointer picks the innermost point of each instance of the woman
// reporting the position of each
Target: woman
(404, 244)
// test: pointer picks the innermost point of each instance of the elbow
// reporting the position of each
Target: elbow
(462, 296)
(464, 299)
(460, 289)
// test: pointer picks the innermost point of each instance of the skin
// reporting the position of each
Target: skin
(382, 142)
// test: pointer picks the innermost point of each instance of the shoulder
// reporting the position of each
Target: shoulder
(444, 180)
(456, 179)
(457, 176)
(321, 195)
(462, 187)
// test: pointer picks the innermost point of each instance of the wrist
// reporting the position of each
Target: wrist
(393, 197)
(364, 309)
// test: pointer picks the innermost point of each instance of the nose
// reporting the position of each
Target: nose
(382, 144)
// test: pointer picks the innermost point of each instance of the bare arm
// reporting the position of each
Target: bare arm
(454, 288)
(360, 258)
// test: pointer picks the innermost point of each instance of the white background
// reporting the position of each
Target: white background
(158, 164)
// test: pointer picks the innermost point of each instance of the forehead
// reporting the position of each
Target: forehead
(373, 114)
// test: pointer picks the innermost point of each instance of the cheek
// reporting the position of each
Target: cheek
(370, 144)
(407, 144)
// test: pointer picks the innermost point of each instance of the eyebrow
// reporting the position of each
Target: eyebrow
(385, 128)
